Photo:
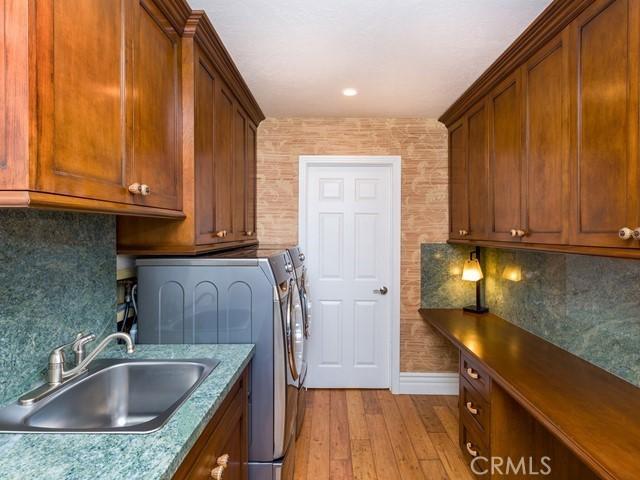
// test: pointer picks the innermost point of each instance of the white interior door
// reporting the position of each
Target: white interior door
(347, 225)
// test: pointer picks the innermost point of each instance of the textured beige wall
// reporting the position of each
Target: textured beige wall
(422, 143)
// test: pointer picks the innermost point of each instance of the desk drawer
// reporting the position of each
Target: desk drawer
(475, 408)
(477, 377)
(472, 444)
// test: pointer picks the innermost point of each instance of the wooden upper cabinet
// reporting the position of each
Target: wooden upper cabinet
(91, 106)
(223, 163)
(605, 122)
(219, 118)
(251, 178)
(240, 173)
(80, 92)
(458, 199)
(477, 168)
(204, 106)
(156, 107)
(505, 161)
(545, 179)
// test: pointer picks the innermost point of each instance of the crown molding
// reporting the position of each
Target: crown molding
(546, 26)
(199, 27)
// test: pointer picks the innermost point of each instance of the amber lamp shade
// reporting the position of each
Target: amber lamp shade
(472, 272)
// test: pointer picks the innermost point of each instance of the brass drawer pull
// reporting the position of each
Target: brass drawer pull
(221, 233)
(472, 452)
(471, 408)
(223, 462)
(472, 373)
(217, 472)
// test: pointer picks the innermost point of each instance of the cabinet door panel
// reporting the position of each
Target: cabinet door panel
(458, 200)
(477, 172)
(205, 85)
(251, 178)
(505, 160)
(223, 161)
(156, 161)
(546, 150)
(604, 177)
(80, 91)
(240, 174)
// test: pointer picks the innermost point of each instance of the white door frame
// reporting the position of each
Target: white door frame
(395, 162)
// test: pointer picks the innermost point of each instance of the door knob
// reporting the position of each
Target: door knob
(520, 233)
(636, 233)
(134, 188)
(625, 233)
(514, 232)
(145, 189)
(381, 291)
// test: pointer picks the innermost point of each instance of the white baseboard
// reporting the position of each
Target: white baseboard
(415, 383)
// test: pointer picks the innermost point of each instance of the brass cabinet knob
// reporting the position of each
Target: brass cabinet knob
(217, 472)
(471, 450)
(248, 233)
(145, 190)
(134, 188)
(223, 460)
(636, 233)
(221, 233)
(464, 233)
(520, 233)
(472, 373)
(139, 189)
(513, 232)
(472, 410)
(625, 233)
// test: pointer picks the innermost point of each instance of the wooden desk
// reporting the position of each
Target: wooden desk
(537, 399)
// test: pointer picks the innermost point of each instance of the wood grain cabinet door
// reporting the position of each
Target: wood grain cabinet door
(545, 179)
(204, 184)
(240, 173)
(251, 178)
(477, 171)
(223, 163)
(80, 90)
(154, 127)
(505, 162)
(604, 124)
(458, 199)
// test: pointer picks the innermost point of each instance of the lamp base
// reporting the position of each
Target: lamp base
(475, 309)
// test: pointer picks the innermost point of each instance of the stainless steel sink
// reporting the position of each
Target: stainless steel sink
(114, 396)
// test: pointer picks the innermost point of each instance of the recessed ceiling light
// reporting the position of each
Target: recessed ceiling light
(349, 92)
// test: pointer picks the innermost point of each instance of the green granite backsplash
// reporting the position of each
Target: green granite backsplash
(589, 306)
(57, 278)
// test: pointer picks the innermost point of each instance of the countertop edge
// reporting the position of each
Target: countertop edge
(195, 434)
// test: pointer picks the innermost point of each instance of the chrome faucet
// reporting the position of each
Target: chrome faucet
(56, 373)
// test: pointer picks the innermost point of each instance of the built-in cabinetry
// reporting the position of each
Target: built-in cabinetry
(543, 147)
(222, 450)
(91, 105)
(219, 182)
(530, 409)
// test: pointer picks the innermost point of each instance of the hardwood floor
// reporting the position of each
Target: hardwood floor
(374, 435)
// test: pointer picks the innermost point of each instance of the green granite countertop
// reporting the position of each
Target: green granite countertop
(129, 456)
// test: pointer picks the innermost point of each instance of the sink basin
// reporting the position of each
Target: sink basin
(115, 396)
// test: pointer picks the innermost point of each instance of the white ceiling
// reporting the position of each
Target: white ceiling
(405, 57)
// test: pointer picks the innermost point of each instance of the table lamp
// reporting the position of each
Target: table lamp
(472, 272)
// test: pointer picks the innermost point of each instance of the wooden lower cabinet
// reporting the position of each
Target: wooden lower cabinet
(501, 440)
(223, 447)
